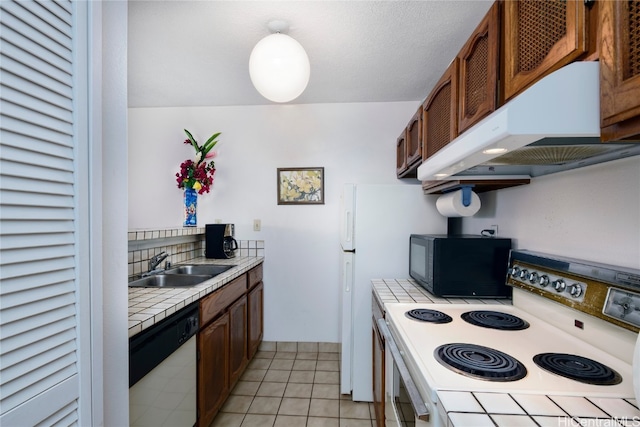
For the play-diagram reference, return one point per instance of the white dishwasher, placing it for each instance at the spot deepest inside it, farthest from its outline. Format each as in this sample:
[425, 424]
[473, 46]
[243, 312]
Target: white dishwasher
[162, 372]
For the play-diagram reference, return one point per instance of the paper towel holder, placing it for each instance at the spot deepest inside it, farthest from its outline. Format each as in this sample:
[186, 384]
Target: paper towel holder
[466, 193]
[454, 225]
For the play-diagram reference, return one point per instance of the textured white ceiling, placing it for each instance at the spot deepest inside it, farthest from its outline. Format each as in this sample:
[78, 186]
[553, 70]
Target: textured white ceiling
[196, 53]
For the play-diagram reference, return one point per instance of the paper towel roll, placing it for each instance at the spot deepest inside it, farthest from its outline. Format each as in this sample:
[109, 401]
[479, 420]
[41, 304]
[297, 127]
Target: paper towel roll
[451, 205]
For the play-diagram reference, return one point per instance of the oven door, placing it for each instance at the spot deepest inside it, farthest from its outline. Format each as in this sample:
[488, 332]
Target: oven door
[404, 406]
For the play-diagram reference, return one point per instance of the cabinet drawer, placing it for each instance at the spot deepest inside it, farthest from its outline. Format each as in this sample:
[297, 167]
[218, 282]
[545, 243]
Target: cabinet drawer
[255, 276]
[218, 301]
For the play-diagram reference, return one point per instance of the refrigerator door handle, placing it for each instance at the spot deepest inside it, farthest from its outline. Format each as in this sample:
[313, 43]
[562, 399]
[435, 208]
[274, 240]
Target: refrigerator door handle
[345, 279]
[348, 226]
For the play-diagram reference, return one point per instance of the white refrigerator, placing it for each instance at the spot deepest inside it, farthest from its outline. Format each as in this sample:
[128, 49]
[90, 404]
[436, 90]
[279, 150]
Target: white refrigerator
[376, 222]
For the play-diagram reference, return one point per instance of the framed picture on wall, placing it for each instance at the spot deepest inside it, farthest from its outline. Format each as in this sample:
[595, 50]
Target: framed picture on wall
[300, 186]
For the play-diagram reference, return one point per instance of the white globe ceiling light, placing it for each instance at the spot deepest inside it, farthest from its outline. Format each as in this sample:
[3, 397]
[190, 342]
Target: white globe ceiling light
[279, 66]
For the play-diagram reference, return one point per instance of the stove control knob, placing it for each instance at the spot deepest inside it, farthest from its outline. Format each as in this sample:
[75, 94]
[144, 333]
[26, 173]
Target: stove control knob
[523, 274]
[575, 290]
[533, 277]
[559, 285]
[543, 281]
[515, 271]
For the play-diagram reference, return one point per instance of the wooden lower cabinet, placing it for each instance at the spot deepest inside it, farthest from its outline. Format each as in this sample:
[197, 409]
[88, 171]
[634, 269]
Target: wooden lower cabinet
[238, 358]
[378, 377]
[213, 368]
[378, 363]
[256, 325]
[231, 329]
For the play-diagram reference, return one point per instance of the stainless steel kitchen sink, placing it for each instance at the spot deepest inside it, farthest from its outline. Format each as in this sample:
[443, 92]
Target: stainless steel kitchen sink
[211, 270]
[169, 281]
[182, 276]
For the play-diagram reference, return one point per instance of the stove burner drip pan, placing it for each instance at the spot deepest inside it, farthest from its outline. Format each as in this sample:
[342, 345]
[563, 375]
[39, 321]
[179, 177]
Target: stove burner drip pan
[495, 320]
[427, 315]
[480, 362]
[577, 368]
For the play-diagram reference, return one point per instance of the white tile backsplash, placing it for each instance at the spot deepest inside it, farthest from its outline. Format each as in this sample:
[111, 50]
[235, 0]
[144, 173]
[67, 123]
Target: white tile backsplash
[179, 251]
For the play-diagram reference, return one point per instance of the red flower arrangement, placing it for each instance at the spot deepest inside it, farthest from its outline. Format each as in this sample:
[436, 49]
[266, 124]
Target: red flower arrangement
[198, 174]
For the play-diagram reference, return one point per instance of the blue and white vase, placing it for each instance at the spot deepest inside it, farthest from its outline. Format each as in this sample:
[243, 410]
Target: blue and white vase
[190, 207]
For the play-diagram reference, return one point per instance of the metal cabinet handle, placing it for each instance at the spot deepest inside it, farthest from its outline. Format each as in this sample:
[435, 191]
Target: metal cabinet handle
[419, 407]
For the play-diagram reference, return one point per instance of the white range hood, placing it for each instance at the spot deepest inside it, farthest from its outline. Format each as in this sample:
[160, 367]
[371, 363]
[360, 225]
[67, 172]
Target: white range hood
[554, 125]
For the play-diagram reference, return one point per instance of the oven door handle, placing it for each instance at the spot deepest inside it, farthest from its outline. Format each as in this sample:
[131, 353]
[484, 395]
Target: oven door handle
[419, 407]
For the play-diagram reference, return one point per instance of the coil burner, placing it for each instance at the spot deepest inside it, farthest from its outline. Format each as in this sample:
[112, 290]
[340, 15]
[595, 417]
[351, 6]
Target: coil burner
[480, 362]
[495, 320]
[577, 368]
[431, 316]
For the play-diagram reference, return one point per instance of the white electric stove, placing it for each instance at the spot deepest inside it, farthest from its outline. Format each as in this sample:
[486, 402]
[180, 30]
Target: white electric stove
[567, 315]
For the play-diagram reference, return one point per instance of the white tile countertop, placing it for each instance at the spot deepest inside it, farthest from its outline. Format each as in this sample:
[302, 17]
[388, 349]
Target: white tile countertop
[148, 306]
[496, 409]
[407, 291]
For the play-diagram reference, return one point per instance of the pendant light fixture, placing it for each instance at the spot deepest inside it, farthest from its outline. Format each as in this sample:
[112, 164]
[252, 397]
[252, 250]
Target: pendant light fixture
[278, 65]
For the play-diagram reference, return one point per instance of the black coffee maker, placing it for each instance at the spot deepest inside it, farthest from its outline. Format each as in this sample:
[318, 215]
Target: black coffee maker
[219, 241]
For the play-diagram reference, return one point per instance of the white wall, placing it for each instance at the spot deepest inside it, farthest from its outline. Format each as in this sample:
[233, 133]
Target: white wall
[353, 142]
[591, 213]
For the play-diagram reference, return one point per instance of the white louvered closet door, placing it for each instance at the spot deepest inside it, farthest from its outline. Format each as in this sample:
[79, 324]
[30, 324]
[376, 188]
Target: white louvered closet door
[39, 222]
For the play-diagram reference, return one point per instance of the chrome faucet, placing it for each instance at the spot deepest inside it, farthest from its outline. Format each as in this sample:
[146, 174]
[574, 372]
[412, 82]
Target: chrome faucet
[154, 262]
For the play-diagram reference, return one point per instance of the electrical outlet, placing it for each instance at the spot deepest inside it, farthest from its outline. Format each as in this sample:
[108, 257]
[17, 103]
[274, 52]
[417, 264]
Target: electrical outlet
[495, 230]
[257, 225]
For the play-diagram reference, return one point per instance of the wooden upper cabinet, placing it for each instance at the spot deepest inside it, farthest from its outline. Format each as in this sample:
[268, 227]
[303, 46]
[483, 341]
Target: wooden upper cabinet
[414, 139]
[541, 37]
[401, 154]
[440, 113]
[409, 147]
[620, 70]
[479, 67]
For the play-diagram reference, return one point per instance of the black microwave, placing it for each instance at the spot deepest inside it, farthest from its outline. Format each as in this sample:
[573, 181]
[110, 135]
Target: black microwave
[461, 265]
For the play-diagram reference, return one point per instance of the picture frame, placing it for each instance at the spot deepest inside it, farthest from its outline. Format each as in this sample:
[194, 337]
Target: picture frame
[301, 186]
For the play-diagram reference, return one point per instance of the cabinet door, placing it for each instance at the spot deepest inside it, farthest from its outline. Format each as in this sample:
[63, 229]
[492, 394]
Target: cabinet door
[439, 117]
[213, 368]
[401, 154]
[478, 61]
[237, 340]
[256, 323]
[620, 69]
[540, 37]
[378, 377]
[414, 139]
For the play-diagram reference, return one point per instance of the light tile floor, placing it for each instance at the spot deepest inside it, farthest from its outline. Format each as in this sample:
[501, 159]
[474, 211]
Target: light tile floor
[292, 389]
